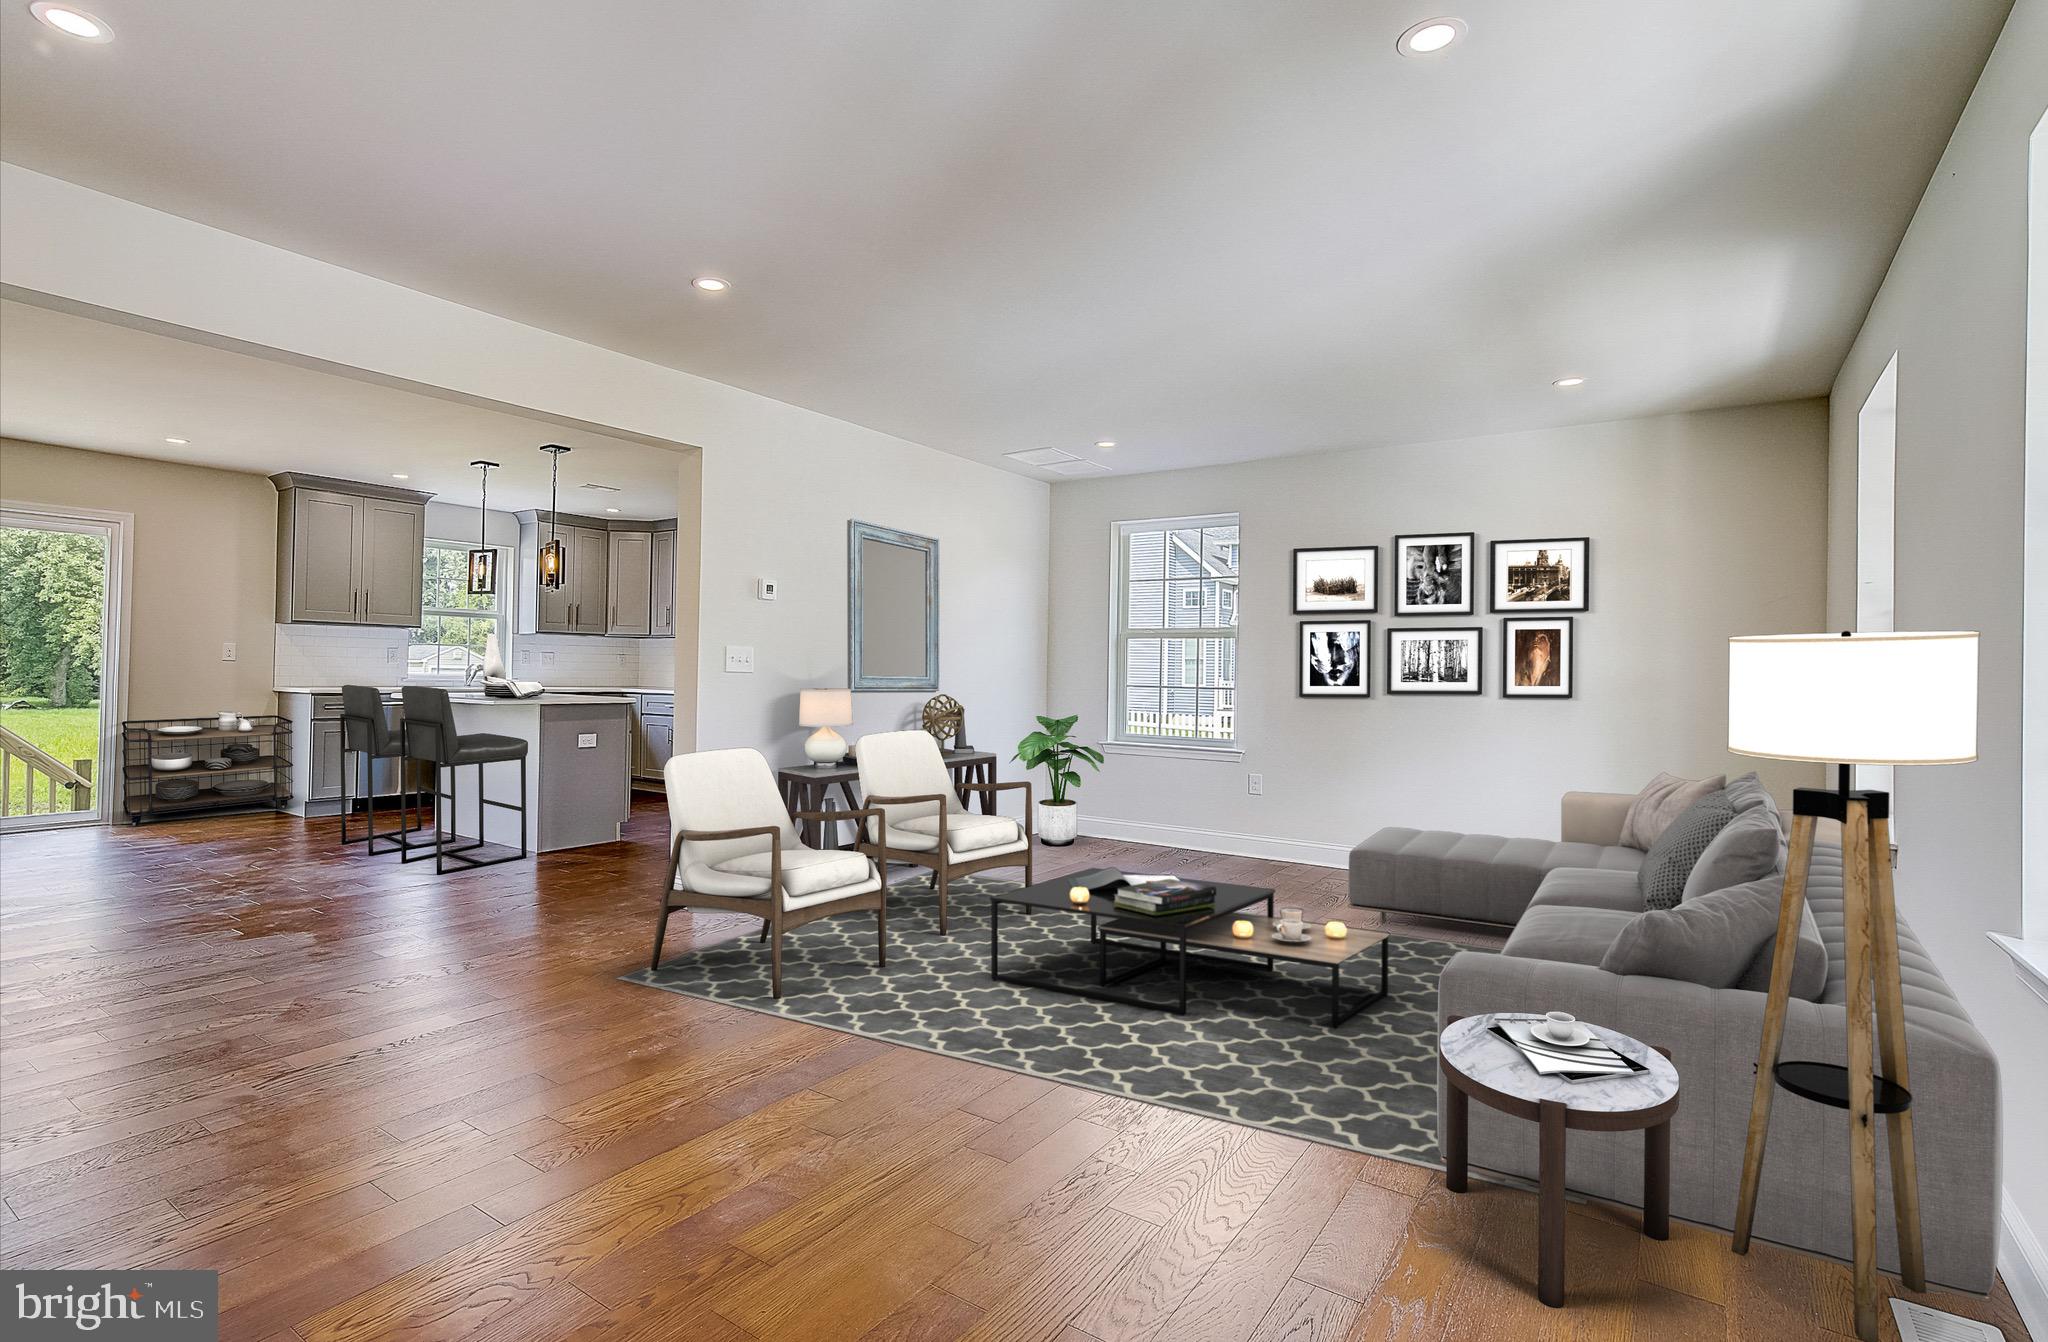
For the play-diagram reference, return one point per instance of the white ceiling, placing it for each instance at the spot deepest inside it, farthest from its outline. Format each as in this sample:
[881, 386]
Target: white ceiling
[84, 383]
[1210, 231]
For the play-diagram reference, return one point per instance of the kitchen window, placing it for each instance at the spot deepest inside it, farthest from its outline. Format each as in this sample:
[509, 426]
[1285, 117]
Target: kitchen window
[454, 625]
[1174, 657]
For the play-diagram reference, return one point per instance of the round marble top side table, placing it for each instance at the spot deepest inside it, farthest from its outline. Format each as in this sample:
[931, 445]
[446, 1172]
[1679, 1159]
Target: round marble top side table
[1481, 1065]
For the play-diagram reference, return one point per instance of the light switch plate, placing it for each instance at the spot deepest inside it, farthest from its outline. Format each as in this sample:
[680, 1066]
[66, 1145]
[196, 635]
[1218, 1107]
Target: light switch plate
[1255, 784]
[739, 657]
[586, 740]
[547, 658]
[227, 652]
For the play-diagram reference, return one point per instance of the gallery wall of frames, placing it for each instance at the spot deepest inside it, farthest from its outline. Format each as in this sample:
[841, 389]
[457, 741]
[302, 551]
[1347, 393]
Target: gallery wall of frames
[1535, 585]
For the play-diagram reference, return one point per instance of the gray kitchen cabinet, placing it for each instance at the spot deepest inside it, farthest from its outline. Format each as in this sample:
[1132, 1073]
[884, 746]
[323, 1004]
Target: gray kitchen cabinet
[629, 583]
[590, 558]
[325, 781]
[658, 735]
[348, 553]
[661, 587]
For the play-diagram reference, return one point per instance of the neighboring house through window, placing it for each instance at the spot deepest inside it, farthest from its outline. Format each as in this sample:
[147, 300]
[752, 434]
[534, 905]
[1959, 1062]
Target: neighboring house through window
[1175, 654]
[453, 624]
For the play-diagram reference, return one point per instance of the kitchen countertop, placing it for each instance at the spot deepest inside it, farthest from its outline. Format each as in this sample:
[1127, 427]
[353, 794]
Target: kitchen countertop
[553, 690]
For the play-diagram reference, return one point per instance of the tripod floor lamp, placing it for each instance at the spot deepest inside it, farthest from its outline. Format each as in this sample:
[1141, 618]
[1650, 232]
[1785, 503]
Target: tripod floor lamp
[1847, 699]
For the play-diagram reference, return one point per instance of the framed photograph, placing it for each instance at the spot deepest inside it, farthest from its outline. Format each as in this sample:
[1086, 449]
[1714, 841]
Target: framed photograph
[1536, 658]
[1433, 661]
[1433, 574]
[1540, 575]
[1334, 659]
[1333, 581]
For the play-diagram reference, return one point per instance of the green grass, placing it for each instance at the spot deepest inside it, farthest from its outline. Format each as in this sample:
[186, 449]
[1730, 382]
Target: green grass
[68, 733]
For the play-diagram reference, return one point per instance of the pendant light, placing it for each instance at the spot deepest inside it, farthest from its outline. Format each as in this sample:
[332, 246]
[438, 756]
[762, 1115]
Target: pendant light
[483, 560]
[554, 568]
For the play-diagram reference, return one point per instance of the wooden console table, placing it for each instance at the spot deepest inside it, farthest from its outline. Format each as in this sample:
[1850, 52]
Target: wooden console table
[810, 787]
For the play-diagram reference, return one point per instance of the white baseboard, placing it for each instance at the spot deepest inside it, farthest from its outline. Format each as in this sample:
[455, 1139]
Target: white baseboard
[2024, 1265]
[1218, 841]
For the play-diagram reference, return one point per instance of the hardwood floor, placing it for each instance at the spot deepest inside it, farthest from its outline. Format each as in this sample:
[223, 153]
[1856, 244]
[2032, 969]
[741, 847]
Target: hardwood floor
[385, 1104]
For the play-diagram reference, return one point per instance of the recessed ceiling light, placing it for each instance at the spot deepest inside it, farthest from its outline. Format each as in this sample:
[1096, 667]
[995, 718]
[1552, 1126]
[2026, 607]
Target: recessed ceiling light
[1569, 382]
[1107, 443]
[611, 510]
[711, 284]
[398, 476]
[177, 442]
[1430, 36]
[73, 22]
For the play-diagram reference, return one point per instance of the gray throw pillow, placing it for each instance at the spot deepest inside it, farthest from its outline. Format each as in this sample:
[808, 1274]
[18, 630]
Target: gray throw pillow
[1809, 960]
[1670, 860]
[1709, 940]
[1745, 850]
[1747, 791]
[1662, 800]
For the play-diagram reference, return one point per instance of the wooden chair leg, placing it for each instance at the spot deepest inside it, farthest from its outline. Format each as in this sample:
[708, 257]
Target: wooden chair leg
[1862, 1129]
[1891, 1045]
[775, 958]
[943, 879]
[1790, 905]
[660, 931]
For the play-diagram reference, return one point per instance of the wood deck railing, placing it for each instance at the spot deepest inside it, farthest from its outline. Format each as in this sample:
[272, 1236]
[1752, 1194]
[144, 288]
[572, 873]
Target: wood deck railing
[68, 784]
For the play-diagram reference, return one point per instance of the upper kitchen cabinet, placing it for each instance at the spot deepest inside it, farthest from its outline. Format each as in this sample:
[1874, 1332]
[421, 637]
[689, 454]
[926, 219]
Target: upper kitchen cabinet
[630, 575]
[578, 605]
[661, 593]
[347, 552]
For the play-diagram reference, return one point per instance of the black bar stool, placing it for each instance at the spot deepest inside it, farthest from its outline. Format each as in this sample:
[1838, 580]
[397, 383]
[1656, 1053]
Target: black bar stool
[428, 733]
[366, 737]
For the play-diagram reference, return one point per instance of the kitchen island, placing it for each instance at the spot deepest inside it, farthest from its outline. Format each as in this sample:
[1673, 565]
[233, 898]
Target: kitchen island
[579, 754]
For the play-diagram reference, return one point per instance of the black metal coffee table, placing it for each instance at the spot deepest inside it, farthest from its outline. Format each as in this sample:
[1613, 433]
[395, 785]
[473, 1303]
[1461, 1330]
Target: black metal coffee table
[1168, 932]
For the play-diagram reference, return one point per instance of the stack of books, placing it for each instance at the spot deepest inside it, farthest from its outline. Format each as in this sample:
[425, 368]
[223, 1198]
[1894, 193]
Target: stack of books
[1161, 896]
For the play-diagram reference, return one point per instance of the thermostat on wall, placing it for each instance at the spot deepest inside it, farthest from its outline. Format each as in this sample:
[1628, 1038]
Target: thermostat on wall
[766, 588]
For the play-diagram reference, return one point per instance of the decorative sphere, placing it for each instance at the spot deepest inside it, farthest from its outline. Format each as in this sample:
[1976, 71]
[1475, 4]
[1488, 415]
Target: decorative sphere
[1241, 929]
[1078, 894]
[1335, 930]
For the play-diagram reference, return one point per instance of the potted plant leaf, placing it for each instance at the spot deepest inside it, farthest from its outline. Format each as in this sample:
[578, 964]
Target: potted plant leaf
[1059, 819]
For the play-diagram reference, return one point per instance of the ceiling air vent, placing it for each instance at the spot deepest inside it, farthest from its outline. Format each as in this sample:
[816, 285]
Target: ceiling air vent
[1053, 460]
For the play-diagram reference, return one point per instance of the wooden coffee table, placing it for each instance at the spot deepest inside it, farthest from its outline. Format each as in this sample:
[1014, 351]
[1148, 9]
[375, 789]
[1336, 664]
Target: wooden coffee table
[1214, 936]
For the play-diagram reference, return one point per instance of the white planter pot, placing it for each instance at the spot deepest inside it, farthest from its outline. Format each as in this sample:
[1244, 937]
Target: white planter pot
[1058, 823]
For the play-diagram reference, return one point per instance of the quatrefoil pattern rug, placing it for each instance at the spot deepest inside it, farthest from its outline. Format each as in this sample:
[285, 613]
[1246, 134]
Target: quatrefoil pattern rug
[1254, 1047]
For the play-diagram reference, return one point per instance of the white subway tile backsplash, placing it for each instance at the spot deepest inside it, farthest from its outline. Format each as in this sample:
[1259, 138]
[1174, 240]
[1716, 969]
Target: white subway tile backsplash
[334, 654]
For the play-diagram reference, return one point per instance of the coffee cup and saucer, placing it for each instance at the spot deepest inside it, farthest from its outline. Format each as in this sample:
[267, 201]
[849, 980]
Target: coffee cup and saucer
[1290, 927]
[1562, 1029]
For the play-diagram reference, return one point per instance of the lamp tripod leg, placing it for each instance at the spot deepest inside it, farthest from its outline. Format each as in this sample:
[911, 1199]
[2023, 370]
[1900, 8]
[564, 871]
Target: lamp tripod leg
[1790, 905]
[1891, 1048]
[1862, 1096]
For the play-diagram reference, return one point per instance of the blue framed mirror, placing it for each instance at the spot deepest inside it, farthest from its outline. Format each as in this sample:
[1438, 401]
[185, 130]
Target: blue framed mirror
[892, 587]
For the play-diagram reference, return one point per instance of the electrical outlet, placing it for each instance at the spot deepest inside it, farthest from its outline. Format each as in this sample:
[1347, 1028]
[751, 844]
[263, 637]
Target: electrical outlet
[739, 658]
[547, 658]
[586, 740]
[227, 652]
[1255, 784]
[390, 652]
[526, 656]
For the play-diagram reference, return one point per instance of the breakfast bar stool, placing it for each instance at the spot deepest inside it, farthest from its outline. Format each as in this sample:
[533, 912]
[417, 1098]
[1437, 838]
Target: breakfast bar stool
[428, 733]
[366, 737]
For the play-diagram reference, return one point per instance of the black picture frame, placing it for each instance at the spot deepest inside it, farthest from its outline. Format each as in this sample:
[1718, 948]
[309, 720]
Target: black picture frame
[1371, 603]
[1362, 689]
[1474, 683]
[1582, 586]
[1466, 543]
[1567, 663]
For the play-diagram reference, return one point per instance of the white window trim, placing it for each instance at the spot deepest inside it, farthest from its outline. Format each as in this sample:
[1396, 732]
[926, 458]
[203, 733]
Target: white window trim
[1114, 741]
[505, 598]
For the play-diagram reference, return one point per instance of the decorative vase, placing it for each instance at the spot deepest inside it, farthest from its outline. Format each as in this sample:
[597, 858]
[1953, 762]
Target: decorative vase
[1058, 823]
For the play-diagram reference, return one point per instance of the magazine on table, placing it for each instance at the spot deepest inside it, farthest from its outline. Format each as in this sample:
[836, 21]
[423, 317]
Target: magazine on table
[1154, 890]
[1584, 1063]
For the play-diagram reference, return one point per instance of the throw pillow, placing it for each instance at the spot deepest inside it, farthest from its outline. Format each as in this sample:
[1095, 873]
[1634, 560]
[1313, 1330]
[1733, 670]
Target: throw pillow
[1746, 849]
[1709, 940]
[1748, 791]
[1670, 860]
[1662, 800]
[1809, 961]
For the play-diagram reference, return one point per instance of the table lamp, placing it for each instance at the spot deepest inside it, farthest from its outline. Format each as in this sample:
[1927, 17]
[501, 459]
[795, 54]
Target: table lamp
[1846, 699]
[825, 709]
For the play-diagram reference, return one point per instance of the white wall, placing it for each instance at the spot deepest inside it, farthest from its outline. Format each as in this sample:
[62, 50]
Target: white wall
[779, 482]
[1702, 526]
[1953, 307]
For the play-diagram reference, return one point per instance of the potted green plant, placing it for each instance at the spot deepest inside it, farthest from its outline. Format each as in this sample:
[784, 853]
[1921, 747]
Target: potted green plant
[1059, 819]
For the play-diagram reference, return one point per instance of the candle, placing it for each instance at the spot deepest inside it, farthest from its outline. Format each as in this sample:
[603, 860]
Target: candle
[1335, 930]
[1241, 929]
[1077, 895]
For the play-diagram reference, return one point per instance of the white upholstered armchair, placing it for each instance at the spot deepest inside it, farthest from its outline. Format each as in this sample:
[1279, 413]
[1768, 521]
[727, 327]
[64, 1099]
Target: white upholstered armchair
[734, 847]
[922, 821]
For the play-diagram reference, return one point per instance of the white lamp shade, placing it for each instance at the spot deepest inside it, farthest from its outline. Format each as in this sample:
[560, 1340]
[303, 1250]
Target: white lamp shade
[1854, 699]
[824, 708]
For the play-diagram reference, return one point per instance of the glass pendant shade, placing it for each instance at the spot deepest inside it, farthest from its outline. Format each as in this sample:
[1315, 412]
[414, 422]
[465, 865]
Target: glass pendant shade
[552, 570]
[483, 572]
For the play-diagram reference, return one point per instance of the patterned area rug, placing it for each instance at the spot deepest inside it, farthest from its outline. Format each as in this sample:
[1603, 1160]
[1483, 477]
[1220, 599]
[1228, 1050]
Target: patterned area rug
[1254, 1047]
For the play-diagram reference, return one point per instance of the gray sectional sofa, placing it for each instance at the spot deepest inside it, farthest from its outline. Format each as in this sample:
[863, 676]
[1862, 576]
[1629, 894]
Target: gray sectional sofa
[1567, 916]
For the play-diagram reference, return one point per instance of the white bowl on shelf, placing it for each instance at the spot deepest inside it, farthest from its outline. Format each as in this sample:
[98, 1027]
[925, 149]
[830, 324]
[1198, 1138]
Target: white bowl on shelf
[170, 763]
